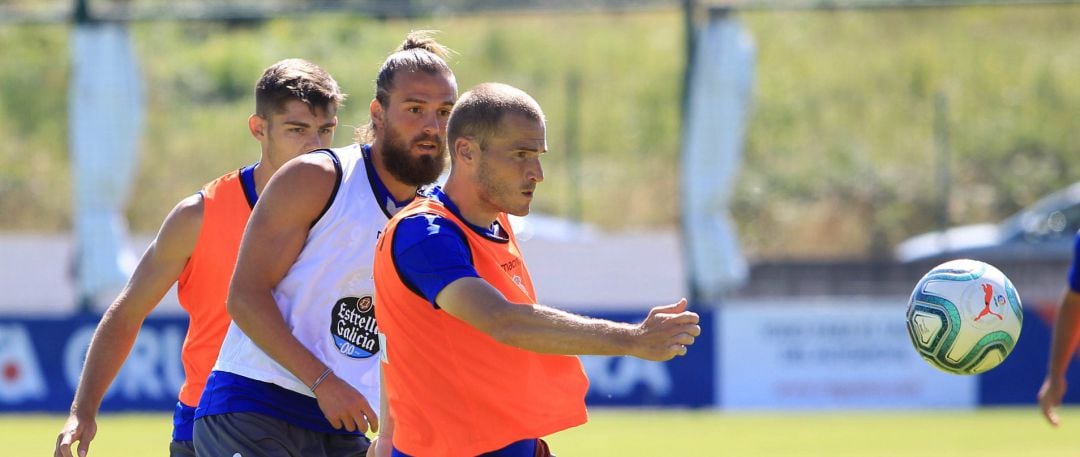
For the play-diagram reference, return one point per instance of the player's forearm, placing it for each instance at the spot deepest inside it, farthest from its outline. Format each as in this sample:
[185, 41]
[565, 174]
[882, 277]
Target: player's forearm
[1065, 335]
[548, 330]
[110, 346]
[259, 317]
[535, 328]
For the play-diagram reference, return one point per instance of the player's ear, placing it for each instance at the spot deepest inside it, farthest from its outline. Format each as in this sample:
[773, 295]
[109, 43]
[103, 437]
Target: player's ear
[465, 148]
[257, 126]
[376, 114]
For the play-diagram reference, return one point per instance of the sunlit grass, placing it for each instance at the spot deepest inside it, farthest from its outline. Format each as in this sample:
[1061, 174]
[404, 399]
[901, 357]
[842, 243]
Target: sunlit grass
[1005, 432]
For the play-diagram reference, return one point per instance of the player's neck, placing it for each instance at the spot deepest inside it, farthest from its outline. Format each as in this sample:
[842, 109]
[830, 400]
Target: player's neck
[262, 173]
[468, 202]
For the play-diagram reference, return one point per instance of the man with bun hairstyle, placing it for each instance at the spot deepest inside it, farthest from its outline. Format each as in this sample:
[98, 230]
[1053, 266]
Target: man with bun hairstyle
[298, 372]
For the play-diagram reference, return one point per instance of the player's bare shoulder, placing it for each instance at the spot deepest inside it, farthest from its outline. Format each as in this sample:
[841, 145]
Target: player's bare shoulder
[188, 213]
[180, 231]
[318, 165]
[303, 185]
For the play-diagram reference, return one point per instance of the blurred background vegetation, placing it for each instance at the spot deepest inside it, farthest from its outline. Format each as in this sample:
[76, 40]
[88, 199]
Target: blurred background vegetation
[852, 112]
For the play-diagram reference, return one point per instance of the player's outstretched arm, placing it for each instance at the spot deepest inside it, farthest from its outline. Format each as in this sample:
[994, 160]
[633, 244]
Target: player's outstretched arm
[156, 272]
[1062, 347]
[664, 334]
[292, 200]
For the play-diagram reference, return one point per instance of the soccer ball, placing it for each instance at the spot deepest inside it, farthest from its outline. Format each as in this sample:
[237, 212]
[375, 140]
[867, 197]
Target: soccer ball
[964, 317]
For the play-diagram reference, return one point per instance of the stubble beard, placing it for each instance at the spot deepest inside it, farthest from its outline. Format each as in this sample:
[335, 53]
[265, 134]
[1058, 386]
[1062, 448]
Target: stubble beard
[498, 196]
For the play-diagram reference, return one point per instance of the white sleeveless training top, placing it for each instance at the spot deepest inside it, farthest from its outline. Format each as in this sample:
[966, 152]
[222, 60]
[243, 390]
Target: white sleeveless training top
[326, 297]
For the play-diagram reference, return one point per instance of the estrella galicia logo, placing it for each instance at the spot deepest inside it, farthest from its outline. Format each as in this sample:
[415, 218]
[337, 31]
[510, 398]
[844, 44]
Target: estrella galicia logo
[353, 326]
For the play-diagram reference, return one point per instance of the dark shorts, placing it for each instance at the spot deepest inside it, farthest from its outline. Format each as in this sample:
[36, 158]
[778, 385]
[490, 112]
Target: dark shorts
[224, 435]
[182, 449]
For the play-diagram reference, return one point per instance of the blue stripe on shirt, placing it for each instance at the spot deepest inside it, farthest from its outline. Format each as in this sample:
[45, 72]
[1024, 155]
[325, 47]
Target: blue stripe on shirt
[247, 182]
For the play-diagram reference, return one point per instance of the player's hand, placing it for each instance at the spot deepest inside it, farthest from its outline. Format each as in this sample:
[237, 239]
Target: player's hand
[344, 407]
[75, 429]
[667, 332]
[1050, 395]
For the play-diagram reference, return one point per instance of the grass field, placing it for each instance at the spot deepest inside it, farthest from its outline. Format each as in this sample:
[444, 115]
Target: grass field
[1002, 432]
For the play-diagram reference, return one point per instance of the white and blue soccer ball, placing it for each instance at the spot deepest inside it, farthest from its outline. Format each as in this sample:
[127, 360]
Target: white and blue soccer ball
[964, 317]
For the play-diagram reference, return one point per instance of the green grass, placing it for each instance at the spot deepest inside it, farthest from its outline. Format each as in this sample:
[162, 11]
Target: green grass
[1005, 432]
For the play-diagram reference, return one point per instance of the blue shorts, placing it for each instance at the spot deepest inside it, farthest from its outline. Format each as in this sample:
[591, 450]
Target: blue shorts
[183, 422]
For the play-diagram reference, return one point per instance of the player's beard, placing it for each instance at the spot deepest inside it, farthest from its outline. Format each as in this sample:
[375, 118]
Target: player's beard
[414, 171]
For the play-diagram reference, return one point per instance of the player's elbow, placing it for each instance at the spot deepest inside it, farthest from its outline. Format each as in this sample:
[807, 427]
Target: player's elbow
[502, 335]
[475, 302]
[233, 306]
[505, 326]
[238, 304]
[505, 336]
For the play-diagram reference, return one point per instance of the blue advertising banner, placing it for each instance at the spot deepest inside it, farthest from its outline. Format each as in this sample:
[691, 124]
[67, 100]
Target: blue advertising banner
[683, 381]
[1018, 378]
[41, 360]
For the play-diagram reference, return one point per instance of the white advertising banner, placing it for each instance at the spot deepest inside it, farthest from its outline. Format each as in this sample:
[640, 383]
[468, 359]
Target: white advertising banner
[857, 355]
